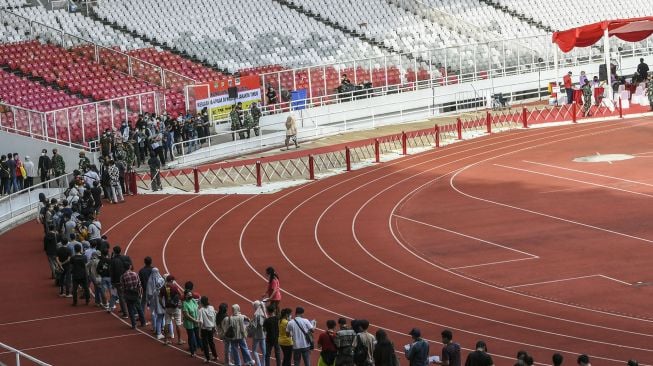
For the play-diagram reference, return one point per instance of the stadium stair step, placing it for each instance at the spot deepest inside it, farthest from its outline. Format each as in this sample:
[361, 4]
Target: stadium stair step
[515, 14]
[336, 25]
[153, 41]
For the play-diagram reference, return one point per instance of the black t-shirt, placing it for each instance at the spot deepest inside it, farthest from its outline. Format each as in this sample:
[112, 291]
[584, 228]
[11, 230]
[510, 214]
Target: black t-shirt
[63, 253]
[271, 327]
[78, 266]
[478, 358]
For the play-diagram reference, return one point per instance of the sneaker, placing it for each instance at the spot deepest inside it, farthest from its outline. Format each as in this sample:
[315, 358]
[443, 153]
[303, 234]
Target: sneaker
[160, 336]
[62, 295]
[69, 295]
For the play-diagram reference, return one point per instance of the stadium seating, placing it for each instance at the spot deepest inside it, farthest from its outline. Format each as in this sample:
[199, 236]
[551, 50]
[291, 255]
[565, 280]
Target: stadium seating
[78, 25]
[215, 30]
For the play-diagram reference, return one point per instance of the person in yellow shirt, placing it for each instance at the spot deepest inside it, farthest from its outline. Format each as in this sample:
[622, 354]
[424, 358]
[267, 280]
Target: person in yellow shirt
[285, 340]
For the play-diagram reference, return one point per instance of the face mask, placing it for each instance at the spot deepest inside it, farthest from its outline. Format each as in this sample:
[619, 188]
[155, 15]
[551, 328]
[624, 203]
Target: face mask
[43, 154]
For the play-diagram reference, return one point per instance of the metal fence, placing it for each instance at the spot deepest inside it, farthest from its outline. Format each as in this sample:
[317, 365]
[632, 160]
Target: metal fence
[22, 358]
[27, 200]
[78, 125]
[437, 67]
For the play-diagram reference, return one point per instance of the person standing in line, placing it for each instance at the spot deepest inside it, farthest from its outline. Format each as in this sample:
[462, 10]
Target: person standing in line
[291, 131]
[237, 322]
[327, 344]
[170, 296]
[191, 322]
[118, 266]
[58, 165]
[258, 334]
[221, 330]
[301, 330]
[4, 175]
[450, 350]
[273, 292]
[95, 278]
[344, 340]
[131, 289]
[367, 340]
[271, 327]
[114, 176]
[144, 276]
[13, 180]
[79, 274]
[50, 247]
[21, 174]
[285, 341]
[44, 166]
[557, 359]
[206, 317]
[384, 351]
[583, 360]
[31, 172]
[479, 357]
[63, 264]
[84, 163]
[154, 284]
[417, 352]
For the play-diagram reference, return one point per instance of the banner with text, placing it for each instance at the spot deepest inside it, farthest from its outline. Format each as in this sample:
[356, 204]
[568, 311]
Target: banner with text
[218, 107]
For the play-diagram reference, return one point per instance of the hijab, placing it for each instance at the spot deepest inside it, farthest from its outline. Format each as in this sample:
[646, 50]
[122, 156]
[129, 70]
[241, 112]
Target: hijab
[154, 283]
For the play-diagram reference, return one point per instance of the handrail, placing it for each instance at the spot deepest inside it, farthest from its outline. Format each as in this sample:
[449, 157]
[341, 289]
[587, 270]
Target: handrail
[20, 354]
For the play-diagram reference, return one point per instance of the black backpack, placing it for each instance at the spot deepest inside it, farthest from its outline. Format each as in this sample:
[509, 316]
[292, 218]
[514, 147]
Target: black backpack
[360, 352]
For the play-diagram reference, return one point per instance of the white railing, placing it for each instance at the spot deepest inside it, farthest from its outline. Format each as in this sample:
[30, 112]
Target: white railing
[438, 67]
[314, 125]
[20, 355]
[27, 199]
[78, 125]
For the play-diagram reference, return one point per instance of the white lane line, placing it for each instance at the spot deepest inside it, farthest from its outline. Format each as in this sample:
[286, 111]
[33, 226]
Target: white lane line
[493, 263]
[571, 279]
[552, 281]
[136, 212]
[588, 173]
[574, 180]
[531, 256]
[50, 318]
[73, 342]
[616, 280]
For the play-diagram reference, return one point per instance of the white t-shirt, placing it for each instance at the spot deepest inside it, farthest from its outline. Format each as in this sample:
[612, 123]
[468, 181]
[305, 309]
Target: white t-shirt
[298, 339]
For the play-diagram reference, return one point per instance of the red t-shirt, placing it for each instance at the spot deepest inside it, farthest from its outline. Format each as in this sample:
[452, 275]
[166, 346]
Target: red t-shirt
[271, 288]
[326, 341]
[567, 81]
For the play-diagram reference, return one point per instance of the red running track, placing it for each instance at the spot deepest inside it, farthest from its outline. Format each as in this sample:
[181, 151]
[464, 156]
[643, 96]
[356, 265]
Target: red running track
[502, 238]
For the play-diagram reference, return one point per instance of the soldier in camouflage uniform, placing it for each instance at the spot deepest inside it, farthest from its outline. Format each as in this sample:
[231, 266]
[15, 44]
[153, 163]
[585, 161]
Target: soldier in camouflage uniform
[255, 111]
[235, 122]
[58, 165]
[587, 98]
[249, 122]
[84, 162]
[649, 91]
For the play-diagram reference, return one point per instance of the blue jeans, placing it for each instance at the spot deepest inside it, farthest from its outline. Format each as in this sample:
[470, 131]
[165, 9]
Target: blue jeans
[133, 308]
[193, 339]
[299, 353]
[157, 320]
[258, 343]
[240, 343]
[99, 293]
